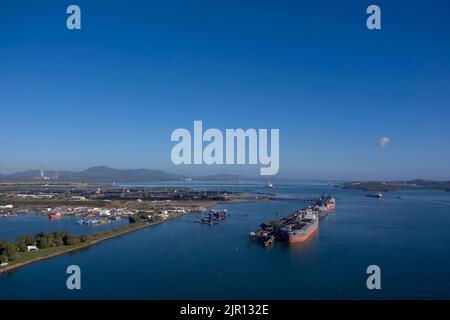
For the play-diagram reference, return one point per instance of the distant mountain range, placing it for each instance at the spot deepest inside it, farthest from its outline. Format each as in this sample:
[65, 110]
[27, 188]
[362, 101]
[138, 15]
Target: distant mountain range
[107, 174]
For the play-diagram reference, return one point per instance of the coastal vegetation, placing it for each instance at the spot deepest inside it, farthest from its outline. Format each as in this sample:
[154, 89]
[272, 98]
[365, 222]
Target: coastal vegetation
[17, 254]
[11, 251]
[141, 205]
[142, 217]
[392, 186]
[48, 245]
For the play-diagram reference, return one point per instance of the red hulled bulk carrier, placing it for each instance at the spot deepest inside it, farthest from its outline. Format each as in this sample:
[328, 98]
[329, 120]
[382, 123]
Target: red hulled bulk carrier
[297, 227]
[302, 229]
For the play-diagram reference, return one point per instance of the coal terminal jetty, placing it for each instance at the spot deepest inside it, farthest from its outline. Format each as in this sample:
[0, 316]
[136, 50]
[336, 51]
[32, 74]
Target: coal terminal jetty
[298, 199]
[213, 217]
[297, 227]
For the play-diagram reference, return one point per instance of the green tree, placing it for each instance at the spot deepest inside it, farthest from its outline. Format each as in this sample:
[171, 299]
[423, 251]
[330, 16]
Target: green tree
[27, 240]
[43, 243]
[57, 242]
[21, 246]
[70, 240]
[134, 218]
[12, 256]
[3, 246]
[85, 238]
[3, 258]
[59, 234]
[10, 249]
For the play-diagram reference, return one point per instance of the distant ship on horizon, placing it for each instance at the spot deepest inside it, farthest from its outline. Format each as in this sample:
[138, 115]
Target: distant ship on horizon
[269, 185]
[377, 195]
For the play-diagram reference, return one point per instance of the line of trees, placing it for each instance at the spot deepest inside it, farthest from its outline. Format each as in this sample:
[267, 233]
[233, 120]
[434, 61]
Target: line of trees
[142, 217]
[10, 249]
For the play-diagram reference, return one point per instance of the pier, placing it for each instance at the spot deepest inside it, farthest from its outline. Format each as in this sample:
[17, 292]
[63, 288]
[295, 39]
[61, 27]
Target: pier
[213, 217]
[298, 199]
[267, 234]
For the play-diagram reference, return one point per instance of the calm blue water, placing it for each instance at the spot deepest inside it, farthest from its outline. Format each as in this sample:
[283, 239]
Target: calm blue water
[30, 224]
[409, 238]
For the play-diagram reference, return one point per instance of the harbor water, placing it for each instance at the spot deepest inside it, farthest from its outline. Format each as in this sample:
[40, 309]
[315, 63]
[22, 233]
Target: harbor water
[405, 233]
[30, 224]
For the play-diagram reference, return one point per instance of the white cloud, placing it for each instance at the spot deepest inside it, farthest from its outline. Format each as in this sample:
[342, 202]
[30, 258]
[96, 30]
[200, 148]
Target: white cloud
[384, 141]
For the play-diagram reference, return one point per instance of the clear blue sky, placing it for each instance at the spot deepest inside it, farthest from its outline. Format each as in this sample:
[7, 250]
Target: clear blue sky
[113, 92]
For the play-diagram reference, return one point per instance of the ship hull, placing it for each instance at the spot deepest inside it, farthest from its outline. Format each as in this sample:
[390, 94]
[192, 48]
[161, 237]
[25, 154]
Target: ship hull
[297, 233]
[297, 238]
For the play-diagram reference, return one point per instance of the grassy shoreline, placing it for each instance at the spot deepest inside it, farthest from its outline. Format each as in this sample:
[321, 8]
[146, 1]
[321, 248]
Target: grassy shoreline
[29, 257]
[26, 258]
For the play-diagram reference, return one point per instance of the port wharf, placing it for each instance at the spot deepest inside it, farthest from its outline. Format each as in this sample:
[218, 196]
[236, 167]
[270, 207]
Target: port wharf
[269, 233]
[43, 254]
[104, 201]
[298, 199]
[213, 217]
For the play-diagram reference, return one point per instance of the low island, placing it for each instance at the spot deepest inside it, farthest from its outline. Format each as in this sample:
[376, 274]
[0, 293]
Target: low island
[391, 186]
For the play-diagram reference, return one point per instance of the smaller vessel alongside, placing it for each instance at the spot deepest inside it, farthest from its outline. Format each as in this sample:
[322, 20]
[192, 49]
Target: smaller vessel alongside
[326, 204]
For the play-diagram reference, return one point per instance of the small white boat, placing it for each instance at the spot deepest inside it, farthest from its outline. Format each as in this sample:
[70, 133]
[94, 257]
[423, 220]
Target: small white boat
[374, 195]
[269, 185]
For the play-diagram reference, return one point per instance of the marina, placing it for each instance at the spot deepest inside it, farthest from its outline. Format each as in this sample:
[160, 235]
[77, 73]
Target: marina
[93, 222]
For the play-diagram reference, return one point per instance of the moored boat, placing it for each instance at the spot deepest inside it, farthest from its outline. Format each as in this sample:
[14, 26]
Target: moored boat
[331, 203]
[374, 195]
[57, 215]
[269, 185]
